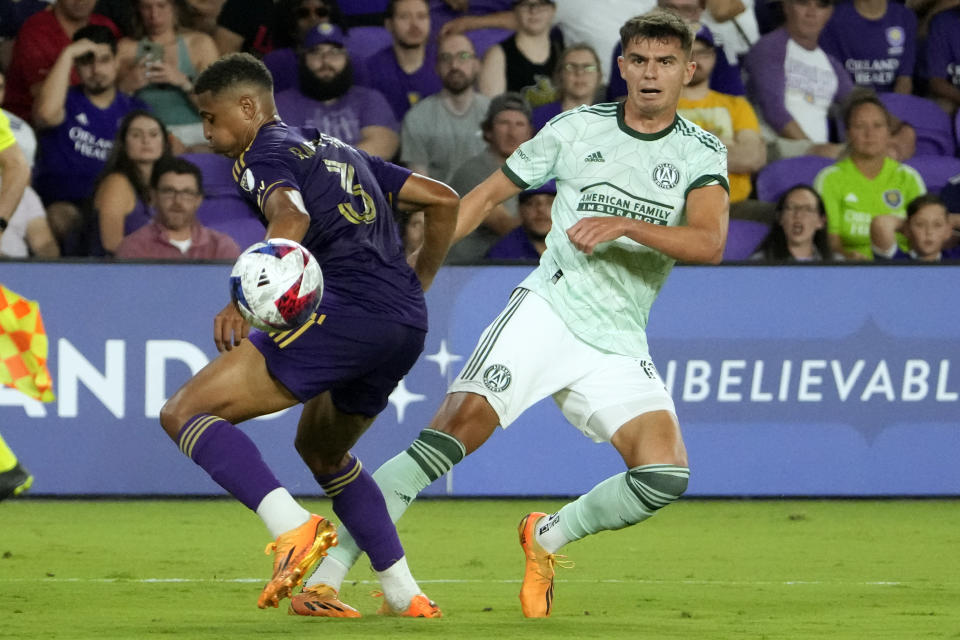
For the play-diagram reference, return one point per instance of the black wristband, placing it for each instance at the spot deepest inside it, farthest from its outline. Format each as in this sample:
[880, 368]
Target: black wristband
[3, 224]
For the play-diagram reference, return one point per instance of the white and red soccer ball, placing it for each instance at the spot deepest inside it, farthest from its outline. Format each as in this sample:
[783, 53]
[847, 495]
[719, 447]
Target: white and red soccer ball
[276, 284]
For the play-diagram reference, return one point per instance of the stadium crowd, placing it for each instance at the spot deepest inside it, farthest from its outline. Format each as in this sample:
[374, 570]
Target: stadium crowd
[99, 93]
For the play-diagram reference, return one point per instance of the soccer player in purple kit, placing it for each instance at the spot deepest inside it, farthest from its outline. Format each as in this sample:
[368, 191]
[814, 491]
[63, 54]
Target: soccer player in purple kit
[342, 364]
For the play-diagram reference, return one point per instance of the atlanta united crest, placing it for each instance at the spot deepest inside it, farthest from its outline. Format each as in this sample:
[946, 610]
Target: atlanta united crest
[666, 176]
[497, 377]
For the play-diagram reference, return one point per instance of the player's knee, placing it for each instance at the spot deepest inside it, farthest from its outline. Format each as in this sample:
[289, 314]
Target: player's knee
[657, 485]
[173, 416]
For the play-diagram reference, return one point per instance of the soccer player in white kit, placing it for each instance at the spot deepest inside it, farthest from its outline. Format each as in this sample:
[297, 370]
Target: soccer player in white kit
[638, 188]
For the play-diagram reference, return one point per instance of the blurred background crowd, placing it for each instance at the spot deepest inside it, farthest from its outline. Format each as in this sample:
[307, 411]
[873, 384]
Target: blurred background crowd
[840, 119]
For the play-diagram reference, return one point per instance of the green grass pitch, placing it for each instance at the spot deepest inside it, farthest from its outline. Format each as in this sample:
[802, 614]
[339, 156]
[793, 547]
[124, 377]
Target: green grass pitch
[700, 569]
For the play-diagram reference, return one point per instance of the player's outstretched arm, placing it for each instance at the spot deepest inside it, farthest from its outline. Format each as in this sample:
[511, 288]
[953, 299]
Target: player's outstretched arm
[701, 240]
[439, 204]
[477, 205]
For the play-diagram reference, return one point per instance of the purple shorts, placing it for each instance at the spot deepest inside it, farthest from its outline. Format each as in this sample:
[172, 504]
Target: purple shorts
[359, 360]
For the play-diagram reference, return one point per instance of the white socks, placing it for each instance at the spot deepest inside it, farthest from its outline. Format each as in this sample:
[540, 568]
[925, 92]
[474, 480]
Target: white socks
[280, 512]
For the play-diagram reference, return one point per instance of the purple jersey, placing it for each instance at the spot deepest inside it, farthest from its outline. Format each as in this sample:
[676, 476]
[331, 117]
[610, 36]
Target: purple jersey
[882, 49]
[342, 118]
[352, 233]
[72, 154]
[402, 90]
[943, 47]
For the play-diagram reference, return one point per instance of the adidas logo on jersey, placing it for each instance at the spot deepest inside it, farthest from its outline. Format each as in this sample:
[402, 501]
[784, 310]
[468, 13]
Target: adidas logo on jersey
[596, 156]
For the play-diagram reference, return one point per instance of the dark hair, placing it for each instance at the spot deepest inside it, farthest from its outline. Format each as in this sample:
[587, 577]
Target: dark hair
[506, 101]
[97, 33]
[859, 97]
[180, 166]
[285, 21]
[774, 246]
[119, 161]
[392, 7]
[231, 70]
[922, 201]
[657, 25]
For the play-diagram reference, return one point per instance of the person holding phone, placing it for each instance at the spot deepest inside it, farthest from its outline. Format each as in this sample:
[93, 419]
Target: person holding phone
[160, 63]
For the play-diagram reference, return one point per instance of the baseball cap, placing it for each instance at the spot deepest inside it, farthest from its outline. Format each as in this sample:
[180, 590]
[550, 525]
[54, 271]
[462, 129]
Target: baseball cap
[705, 36]
[508, 101]
[324, 33]
[548, 187]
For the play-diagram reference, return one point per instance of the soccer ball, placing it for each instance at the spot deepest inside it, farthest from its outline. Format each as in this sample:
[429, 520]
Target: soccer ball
[276, 285]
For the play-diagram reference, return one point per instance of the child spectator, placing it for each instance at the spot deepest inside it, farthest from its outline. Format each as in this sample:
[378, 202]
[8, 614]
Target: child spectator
[926, 228]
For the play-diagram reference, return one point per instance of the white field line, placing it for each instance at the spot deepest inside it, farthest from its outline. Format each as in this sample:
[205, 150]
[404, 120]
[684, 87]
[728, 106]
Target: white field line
[717, 583]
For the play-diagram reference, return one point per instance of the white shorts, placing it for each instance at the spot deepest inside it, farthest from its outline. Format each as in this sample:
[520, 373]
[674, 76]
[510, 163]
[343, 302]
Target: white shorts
[528, 353]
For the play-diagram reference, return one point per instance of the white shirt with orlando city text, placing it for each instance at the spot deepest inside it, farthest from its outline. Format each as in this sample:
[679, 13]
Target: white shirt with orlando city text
[604, 168]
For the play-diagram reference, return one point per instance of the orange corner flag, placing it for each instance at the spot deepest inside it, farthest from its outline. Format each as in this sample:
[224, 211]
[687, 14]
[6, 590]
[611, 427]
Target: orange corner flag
[23, 347]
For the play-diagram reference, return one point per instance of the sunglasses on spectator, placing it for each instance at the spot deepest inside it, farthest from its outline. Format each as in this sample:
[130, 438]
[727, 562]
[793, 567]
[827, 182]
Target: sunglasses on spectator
[306, 12]
[169, 193]
[821, 4]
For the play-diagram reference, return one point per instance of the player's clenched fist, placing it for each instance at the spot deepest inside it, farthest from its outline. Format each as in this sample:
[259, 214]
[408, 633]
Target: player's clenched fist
[587, 233]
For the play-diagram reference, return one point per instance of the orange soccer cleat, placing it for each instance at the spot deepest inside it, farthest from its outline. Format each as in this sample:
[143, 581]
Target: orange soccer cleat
[420, 607]
[321, 601]
[536, 592]
[295, 553]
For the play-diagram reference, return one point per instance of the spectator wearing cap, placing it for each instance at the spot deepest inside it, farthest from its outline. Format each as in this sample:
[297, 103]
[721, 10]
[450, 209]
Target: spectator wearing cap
[403, 71]
[442, 129]
[505, 127]
[794, 84]
[295, 19]
[882, 53]
[327, 98]
[525, 61]
[730, 118]
[529, 240]
[725, 76]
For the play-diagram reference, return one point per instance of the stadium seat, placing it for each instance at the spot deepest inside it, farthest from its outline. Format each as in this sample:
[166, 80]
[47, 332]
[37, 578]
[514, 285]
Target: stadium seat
[935, 134]
[935, 170]
[743, 236]
[364, 41]
[483, 39]
[222, 208]
[778, 176]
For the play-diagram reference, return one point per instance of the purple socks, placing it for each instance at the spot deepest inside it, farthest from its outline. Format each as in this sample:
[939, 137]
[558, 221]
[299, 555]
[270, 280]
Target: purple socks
[229, 456]
[359, 504]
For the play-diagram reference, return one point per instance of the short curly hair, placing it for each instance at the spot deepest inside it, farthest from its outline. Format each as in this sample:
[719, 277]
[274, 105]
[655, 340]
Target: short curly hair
[232, 70]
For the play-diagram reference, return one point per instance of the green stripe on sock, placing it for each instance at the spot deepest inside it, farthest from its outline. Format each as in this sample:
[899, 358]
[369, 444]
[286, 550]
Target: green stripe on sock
[436, 452]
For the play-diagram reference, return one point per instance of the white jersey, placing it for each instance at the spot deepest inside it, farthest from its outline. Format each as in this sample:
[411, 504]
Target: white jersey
[604, 168]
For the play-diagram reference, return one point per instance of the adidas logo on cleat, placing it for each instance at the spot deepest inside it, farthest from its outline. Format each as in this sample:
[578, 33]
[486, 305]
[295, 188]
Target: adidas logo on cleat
[596, 156]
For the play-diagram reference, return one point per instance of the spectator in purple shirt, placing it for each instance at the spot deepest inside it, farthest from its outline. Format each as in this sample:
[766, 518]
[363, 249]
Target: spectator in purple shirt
[175, 233]
[295, 19]
[529, 240]
[328, 100]
[404, 72]
[943, 59]
[883, 53]
[76, 129]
